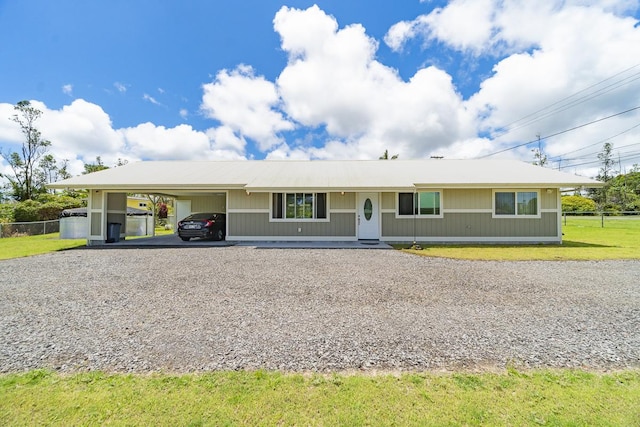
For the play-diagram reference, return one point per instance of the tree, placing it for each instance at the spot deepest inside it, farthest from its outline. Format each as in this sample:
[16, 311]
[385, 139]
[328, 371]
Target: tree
[24, 181]
[49, 171]
[385, 156]
[94, 167]
[605, 174]
[539, 157]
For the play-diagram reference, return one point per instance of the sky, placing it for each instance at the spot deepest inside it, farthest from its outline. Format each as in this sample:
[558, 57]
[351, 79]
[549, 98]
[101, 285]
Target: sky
[324, 80]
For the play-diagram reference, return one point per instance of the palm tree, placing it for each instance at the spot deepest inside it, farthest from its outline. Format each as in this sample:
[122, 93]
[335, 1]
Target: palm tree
[385, 156]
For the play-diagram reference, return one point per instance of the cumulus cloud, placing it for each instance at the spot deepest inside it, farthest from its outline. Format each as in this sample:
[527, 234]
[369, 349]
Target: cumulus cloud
[571, 77]
[247, 104]
[81, 131]
[150, 141]
[553, 69]
[333, 81]
[67, 89]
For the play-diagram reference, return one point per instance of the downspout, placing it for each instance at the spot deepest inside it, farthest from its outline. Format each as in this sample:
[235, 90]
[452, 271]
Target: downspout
[415, 245]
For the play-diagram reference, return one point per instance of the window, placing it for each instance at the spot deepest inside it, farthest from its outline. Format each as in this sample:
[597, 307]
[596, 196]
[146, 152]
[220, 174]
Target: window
[423, 203]
[515, 203]
[299, 206]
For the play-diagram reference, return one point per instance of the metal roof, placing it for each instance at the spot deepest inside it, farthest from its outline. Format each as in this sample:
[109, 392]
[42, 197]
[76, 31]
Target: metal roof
[345, 175]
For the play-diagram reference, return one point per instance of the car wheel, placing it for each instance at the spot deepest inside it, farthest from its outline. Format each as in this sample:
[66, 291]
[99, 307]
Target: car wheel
[219, 235]
[186, 239]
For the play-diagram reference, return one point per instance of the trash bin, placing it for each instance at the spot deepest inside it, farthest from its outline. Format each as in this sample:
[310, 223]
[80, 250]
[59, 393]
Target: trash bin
[113, 232]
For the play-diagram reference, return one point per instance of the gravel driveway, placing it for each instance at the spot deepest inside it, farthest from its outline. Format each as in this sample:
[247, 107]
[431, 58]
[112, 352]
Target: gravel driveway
[200, 309]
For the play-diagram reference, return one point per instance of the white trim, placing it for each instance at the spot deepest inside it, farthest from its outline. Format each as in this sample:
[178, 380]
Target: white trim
[420, 216]
[305, 220]
[463, 239]
[515, 191]
[248, 210]
[559, 214]
[343, 211]
[293, 238]
[549, 210]
[387, 211]
[484, 211]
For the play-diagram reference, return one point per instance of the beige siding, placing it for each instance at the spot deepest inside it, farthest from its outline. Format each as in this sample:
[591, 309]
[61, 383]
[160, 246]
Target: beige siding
[467, 198]
[258, 224]
[549, 200]
[117, 202]
[96, 223]
[238, 199]
[340, 201]
[208, 203]
[387, 200]
[96, 199]
[470, 225]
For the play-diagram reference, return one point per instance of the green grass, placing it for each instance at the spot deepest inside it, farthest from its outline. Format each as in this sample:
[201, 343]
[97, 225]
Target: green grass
[584, 239]
[565, 397]
[15, 247]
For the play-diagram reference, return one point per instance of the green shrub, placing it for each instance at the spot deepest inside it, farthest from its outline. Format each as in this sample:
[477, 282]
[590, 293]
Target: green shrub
[6, 213]
[47, 207]
[578, 205]
[27, 211]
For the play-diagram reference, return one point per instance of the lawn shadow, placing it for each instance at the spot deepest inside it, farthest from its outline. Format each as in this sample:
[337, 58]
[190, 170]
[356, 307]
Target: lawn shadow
[576, 244]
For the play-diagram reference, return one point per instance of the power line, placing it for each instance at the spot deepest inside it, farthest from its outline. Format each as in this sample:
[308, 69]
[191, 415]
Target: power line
[561, 132]
[602, 141]
[507, 128]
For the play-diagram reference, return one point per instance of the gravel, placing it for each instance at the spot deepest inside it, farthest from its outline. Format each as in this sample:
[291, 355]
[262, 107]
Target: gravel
[229, 308]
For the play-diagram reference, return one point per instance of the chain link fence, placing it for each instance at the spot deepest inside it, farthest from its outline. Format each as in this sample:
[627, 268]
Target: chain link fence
[601, 219]
[16, 229]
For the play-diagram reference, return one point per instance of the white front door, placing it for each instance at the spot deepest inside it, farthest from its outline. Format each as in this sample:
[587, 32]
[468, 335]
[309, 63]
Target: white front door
[368, 216]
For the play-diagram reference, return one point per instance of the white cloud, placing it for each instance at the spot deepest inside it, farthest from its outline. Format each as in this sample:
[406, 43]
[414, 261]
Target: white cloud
[157, 142]
[81, 131]
[120, 87]
[151, 99]
[570, 57]
[67, 89]
[551, 51]
[247, 104]
[184, 113]
[225, 144]
[333, 81]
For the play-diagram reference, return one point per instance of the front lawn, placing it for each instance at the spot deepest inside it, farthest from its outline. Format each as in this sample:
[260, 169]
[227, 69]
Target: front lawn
[584, 239]
[564, 397]
[16, 247]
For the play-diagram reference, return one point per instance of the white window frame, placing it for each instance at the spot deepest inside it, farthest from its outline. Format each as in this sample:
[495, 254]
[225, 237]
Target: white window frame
[418, 215]
[284, 207]
[538, 214]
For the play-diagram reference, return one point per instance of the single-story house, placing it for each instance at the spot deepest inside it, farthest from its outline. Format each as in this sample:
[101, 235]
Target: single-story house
[428, 201]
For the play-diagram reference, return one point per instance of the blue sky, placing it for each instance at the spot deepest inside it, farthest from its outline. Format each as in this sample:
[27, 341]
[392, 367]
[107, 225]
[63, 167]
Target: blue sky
[145, 80]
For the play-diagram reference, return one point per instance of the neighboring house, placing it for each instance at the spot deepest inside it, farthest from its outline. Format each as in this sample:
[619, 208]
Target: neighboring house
[138, 202]
[390, 200]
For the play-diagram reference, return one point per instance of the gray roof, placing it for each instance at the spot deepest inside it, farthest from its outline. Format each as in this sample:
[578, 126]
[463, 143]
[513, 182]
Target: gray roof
[347, 175]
